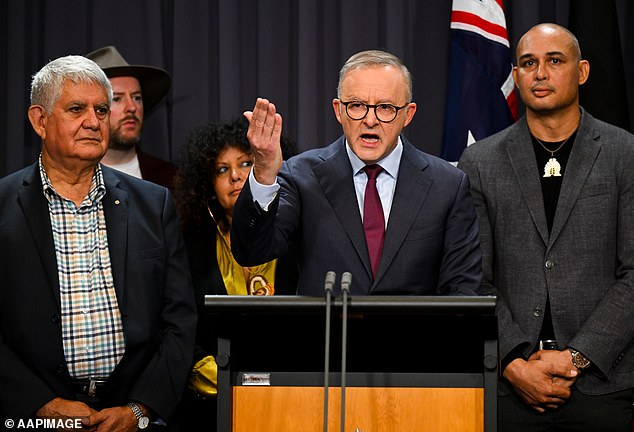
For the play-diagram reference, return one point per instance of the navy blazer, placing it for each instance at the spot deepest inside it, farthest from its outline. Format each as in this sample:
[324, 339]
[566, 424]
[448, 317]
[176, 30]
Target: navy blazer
[207, 280]
[431, 243]
[152, 283]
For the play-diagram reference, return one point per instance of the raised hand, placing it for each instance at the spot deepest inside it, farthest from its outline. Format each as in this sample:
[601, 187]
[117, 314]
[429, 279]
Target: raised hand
[265, 130]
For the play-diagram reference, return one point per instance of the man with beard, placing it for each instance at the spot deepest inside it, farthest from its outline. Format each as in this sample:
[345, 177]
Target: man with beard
[136, 90]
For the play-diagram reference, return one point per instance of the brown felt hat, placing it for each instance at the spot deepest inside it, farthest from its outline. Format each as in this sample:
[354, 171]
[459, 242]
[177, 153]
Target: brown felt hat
[155, 82]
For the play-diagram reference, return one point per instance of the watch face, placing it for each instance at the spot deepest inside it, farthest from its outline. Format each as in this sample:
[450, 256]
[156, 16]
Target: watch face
[579, 360]
[143, 422]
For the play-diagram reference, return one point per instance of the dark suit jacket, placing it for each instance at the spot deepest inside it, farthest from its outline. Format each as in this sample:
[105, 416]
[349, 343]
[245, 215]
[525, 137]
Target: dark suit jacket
[431, 242]
[585, 265]
[207, 280]
[156, 170]
[153, 287]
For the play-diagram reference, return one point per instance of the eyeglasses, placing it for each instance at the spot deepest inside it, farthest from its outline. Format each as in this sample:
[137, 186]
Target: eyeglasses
[385, 113]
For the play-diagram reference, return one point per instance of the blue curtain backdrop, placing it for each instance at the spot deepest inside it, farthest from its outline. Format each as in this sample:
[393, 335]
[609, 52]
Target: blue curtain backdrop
[222, 54]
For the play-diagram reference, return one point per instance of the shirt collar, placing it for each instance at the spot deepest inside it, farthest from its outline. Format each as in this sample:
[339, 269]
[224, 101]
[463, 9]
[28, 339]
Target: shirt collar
[97, 188]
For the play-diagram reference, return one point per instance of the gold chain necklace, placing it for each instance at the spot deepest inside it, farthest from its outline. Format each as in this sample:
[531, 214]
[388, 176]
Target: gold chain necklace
[552, 167]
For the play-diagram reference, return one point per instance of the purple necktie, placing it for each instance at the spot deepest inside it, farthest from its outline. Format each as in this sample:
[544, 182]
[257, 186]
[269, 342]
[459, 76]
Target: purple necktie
[373, 219]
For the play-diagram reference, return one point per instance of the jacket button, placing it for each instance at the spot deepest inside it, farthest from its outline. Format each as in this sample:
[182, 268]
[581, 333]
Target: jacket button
[55, 318]
[549, 264]
[537, 312]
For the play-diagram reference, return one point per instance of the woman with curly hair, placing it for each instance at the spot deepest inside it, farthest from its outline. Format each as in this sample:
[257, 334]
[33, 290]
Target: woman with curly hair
[215, 164]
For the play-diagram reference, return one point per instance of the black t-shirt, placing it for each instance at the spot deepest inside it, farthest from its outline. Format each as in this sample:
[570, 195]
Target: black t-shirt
[551, 186]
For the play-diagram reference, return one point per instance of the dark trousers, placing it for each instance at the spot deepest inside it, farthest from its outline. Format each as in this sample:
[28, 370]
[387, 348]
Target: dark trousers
[604, 413]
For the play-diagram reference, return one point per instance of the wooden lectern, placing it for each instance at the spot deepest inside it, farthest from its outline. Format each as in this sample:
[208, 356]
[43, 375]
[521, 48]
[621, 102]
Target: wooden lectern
[413, 363]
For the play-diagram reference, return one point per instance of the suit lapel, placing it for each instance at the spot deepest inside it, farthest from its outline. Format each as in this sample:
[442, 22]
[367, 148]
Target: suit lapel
[522, 158]
[35, 209]
[582, 157]
[116, 207]
[335, 177]
[405, 205]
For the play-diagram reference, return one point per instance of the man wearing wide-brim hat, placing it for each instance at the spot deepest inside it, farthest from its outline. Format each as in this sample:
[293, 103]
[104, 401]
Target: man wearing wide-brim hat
[137, 89]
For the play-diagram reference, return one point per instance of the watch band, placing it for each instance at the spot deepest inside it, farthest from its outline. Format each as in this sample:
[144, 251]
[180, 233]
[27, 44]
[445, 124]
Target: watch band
[142, 420]
[579, 360]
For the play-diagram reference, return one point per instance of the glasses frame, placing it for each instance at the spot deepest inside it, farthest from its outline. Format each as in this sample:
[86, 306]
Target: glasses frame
[367, 110]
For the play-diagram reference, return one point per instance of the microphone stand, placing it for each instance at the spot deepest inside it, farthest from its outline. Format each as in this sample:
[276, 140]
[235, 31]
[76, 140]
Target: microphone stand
[328, 285]
[346, 280]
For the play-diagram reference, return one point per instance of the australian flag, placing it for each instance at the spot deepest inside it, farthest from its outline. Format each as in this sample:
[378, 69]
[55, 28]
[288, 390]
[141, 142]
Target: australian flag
[481, 97]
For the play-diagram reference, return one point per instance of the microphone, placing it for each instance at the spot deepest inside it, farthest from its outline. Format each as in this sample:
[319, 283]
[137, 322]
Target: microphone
[329, 283]
[346, 280]
[328, 286]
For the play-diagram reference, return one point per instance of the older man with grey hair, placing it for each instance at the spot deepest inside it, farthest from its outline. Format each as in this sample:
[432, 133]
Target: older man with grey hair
[97, 316]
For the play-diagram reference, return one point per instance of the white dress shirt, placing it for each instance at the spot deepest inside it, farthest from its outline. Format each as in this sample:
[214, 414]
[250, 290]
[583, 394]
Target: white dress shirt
[385, 182]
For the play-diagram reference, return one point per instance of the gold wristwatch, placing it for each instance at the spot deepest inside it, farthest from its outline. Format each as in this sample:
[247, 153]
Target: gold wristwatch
[579, 360]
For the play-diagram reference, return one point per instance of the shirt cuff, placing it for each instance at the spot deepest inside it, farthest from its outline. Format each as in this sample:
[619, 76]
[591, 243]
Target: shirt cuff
[262, 194]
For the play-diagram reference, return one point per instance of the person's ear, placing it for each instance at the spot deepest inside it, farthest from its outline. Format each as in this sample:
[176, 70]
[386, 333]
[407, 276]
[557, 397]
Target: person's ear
[38, 118]
[584, 71]
[336, 106]
[409, 114]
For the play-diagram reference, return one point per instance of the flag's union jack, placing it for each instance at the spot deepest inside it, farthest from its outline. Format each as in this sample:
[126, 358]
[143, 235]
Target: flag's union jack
[481, 97]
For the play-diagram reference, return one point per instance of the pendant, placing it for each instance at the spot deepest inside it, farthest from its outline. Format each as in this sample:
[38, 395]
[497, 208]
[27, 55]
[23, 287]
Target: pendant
[552, 168]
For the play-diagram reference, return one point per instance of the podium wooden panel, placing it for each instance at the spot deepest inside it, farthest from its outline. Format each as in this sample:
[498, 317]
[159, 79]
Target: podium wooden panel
[257, 409]
[413, 363]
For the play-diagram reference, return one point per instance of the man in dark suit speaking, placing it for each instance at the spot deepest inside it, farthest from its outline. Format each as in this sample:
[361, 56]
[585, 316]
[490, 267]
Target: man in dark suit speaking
[399, 220]
[97, 316]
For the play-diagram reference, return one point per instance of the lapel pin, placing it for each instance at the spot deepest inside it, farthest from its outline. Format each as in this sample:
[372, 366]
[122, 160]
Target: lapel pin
[117, 202]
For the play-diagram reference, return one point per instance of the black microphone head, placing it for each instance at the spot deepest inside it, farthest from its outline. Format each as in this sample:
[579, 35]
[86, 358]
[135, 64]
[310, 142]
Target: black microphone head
[329, 283]
[346, 281]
